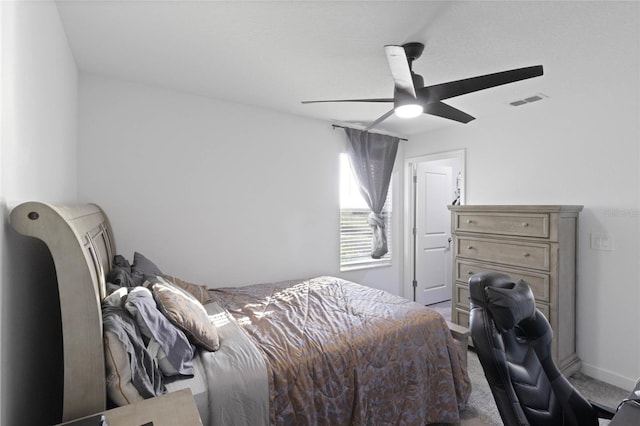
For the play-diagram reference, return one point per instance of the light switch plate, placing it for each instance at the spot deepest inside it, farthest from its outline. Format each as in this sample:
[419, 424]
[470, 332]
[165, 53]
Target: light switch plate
[601, 241]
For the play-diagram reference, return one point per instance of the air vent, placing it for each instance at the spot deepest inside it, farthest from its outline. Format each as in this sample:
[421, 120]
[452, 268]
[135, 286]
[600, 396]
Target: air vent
[530, 99]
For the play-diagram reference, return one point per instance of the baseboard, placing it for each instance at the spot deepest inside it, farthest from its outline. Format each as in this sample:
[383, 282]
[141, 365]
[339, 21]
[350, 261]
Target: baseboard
[608, 377]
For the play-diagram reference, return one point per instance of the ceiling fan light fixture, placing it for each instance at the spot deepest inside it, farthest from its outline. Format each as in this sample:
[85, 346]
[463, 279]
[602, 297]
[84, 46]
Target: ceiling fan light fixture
[409, 110]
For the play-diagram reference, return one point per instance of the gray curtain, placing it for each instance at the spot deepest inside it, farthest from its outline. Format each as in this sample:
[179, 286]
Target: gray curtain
[372, 156]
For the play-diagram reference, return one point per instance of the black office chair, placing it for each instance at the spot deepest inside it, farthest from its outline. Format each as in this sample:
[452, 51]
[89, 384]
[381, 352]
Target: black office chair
[513, 342]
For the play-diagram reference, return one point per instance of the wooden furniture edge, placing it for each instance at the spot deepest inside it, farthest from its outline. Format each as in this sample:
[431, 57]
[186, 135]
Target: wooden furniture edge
[461, 335]
[458, 331]
[167, 409]
[73, 232]
[553, 208]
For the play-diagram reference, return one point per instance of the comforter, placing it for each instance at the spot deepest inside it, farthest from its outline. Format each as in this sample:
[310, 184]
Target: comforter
[338, 353]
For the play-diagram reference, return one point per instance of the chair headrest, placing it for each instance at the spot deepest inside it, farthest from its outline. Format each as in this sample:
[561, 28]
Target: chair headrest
[478, 282]
[509, 306]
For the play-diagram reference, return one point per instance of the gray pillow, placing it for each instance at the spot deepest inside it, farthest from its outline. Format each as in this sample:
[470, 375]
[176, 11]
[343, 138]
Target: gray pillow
[142, 267]
[120, 388]
[199, 291]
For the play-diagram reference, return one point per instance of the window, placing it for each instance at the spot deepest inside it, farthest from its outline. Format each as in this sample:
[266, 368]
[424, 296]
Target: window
[355, 231]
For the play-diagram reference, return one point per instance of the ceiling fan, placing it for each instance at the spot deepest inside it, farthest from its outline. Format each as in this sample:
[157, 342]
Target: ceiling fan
[411, 98]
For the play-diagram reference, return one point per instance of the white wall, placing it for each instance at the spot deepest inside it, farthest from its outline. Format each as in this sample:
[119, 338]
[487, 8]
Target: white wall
[213, 192]
[580, 146]
[38, 158]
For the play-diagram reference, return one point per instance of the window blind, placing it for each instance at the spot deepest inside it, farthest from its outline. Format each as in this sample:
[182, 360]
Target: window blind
[355, 239]
[355, 232]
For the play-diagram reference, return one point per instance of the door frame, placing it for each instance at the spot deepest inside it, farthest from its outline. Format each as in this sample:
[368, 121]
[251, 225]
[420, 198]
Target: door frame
[408, 208]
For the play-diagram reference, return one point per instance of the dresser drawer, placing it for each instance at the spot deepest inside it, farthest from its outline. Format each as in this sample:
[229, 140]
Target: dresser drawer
[461, 296]
[461, 317]
[539, 282]
[544, 309]
[528, 255]
[516, 224]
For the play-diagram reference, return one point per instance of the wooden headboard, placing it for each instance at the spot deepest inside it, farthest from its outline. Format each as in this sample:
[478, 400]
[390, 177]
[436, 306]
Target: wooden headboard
[74, 233]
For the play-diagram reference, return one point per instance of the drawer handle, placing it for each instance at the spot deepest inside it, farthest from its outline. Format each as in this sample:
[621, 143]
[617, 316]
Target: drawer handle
[525, 254]
[469, 221]
[525, 224]
[469, 247]
[470, 272]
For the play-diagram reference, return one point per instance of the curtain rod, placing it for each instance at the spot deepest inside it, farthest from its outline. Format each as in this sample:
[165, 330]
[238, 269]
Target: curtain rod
[343, 127]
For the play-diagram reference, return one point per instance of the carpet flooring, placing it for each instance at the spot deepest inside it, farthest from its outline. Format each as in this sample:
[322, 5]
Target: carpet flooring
[481, 409]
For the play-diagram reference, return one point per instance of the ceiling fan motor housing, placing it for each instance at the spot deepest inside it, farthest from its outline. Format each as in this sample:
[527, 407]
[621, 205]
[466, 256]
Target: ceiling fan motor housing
[402, 97]
[413, 51]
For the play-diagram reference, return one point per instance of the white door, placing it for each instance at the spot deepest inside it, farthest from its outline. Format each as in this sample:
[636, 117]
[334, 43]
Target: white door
[433, 192]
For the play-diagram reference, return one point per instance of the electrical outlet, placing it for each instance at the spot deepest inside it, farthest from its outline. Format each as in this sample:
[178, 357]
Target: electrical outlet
[601, 241]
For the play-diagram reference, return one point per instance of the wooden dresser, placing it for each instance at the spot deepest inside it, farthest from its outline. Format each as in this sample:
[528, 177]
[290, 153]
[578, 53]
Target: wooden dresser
[533, 243]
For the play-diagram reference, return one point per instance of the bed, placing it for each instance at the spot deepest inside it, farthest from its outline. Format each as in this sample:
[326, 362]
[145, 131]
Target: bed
[320, 350]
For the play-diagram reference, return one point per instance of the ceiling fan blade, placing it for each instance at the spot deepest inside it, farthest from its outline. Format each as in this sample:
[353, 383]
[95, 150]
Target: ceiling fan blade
[400, 70]
[473, 84]
[351, 100]
[447, 111]
[379, 119]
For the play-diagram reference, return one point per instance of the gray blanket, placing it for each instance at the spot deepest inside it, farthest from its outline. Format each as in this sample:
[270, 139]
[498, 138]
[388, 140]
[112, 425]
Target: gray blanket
[154, 325]
[236, 375]
[146, 377]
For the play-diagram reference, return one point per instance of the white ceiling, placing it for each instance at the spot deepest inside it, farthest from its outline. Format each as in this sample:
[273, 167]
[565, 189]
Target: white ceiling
[274, 54]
